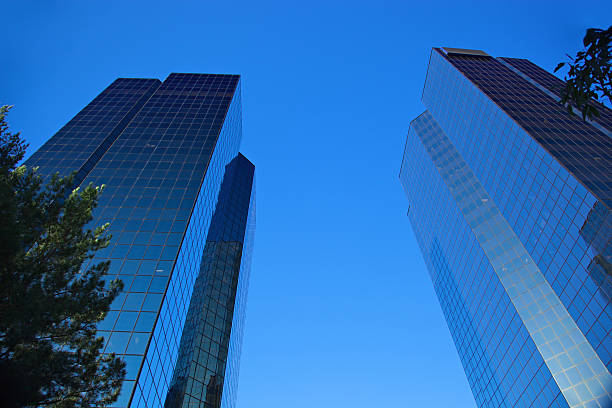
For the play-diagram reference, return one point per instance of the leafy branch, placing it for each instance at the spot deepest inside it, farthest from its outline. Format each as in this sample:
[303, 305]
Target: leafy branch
[588, 80]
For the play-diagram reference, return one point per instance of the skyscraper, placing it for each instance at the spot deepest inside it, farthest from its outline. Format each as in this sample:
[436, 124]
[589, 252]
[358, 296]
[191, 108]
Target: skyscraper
[510, 200]
[180, 202]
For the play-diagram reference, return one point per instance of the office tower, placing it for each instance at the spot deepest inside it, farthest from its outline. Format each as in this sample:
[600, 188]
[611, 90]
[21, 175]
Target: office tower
[510, 200]
[180, 202]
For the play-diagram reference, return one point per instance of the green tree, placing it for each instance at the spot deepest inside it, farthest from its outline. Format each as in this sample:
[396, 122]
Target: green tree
[49, 303]
[588, 80]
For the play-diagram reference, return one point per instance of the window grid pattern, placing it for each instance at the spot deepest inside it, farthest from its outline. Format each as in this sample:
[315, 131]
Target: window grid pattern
[578, 146]
[555, 85]
[162, 176]
[500, 359]
[580, 374]
[545, 205]
[216, 310]
[153, 385]
[82, 141]
[232, 366]
[552, 95]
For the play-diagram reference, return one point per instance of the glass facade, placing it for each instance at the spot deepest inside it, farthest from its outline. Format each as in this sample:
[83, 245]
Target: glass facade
[552, 84]
[161, 150]
[217, 310]
[518, 241]
[78, 145]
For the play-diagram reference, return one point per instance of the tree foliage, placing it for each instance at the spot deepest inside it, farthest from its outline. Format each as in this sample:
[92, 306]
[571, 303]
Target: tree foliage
[49, 303]
[589, 78]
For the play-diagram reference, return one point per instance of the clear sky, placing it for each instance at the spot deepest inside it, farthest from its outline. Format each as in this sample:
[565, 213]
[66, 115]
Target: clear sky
[341, 311]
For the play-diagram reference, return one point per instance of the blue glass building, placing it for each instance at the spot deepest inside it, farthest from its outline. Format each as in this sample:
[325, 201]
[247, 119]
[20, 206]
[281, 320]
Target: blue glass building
[510, 200]
[179, 199]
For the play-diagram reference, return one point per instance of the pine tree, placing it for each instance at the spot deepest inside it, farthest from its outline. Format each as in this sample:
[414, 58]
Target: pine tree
[49, 303]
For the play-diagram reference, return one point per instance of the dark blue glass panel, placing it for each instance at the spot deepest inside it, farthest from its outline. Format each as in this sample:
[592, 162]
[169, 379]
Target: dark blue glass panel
[82, 141]
[206, 372]
[554, 85]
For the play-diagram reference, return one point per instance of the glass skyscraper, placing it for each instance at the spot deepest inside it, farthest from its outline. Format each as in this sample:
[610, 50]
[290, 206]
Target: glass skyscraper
[180, 201]
[510, 200]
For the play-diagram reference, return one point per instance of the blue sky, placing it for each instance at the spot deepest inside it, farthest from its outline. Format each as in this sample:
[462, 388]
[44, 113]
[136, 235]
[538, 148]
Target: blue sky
[341, 308]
